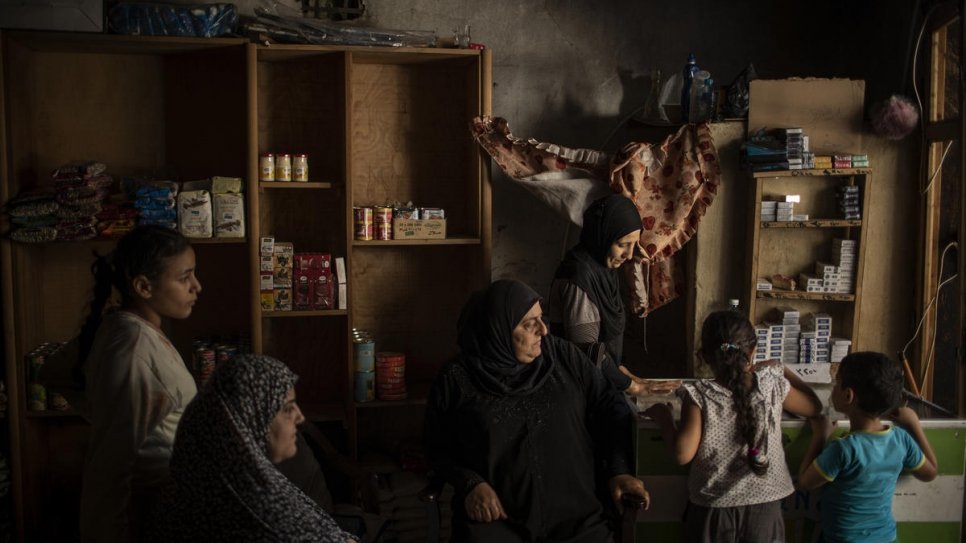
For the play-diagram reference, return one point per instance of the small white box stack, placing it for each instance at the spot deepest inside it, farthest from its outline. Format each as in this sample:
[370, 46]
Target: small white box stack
[784, 211]
[839, 349]
[844, 255]
[761, 353]
[768, 211]
[821, 325]
[791, 331]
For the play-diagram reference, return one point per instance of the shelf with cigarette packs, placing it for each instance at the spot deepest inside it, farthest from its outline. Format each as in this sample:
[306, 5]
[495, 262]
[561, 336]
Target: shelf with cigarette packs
[806, 251]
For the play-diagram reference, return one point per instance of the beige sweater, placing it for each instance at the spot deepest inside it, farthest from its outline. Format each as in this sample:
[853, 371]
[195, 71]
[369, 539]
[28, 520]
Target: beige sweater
[137, 387]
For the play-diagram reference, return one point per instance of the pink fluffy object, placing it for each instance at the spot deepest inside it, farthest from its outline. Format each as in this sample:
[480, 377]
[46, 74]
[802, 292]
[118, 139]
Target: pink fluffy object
[895, 118]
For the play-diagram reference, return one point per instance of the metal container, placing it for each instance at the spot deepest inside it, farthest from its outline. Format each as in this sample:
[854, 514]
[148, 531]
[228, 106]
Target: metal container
[383, 221]
[363, 223]
[365, 386]
[365, 354]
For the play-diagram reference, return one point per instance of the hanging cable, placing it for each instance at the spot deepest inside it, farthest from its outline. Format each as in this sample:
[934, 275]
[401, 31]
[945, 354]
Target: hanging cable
[925, 312]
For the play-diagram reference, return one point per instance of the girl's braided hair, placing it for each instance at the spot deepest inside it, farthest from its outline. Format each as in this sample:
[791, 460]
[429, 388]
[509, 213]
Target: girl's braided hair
[142, 251]
[726, 339]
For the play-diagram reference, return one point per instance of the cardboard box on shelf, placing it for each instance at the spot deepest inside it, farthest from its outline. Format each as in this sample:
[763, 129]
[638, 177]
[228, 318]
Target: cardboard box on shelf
[419, 229]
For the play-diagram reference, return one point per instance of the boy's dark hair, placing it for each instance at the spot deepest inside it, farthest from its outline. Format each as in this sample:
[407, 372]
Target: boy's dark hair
[875, 379]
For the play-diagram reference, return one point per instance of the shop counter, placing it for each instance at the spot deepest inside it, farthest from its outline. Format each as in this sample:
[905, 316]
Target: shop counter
[930, 512]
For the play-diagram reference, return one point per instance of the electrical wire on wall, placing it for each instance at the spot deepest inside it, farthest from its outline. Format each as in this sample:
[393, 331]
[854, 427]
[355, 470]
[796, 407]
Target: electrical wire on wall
[923, 163]
[918, 386]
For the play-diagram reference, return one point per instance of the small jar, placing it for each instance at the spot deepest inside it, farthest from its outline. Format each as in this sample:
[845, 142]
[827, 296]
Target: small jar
[283, 167]
[300, 167]
[266, 167]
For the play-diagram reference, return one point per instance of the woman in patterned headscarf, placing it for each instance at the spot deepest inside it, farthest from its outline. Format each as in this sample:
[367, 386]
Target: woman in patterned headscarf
[230, 438]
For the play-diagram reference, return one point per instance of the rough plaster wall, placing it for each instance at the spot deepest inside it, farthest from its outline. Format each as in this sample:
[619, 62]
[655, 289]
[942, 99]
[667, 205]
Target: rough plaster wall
[570, 71]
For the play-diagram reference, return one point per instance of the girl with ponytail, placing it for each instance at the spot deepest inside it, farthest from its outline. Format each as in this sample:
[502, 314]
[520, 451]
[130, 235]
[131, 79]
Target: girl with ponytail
[136, 383]
[730, 432]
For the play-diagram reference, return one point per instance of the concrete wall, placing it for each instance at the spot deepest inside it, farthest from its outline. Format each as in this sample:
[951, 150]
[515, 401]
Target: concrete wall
[572, 71]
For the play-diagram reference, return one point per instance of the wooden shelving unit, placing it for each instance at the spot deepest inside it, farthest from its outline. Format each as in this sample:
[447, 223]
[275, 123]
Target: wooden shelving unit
[378, 124]
[793, 247]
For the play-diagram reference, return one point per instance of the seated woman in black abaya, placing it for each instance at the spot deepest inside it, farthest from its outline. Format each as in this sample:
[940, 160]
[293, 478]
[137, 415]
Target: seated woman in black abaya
[519, 423]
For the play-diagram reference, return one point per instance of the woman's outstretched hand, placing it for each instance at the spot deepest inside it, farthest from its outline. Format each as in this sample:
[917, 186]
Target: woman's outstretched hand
[644, 387]
[483, 505]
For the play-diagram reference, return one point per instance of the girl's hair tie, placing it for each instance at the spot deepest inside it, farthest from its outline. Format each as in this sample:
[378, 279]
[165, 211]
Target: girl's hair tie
[725, 347]
[757, 460]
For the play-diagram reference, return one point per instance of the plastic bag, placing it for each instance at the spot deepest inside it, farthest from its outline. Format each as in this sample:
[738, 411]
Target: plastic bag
[202, 21]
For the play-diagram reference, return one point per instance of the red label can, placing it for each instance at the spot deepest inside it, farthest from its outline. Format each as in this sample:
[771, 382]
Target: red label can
[363, 222]
[383, 220]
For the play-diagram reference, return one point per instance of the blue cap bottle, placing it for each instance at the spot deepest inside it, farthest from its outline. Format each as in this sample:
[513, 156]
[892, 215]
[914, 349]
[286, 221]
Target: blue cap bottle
[689, 70]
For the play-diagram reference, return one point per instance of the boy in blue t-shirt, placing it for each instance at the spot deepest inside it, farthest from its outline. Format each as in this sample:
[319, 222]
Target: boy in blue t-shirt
[860, 470]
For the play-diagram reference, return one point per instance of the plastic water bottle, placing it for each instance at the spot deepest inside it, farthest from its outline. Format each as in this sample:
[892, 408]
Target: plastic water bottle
[696, 108]
[689, 70]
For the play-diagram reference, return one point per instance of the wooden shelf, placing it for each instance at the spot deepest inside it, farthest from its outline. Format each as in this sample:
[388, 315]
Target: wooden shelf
[411, 400]
[53, 414]
[397, 242]
[218, 241]
[81, 42]
[418, 392]
[293, 185]
[310, 313]
[814, 223]
[801, 295]
[831, 172]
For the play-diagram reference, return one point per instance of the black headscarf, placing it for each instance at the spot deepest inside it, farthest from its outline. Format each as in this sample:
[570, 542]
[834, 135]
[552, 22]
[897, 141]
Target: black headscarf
[485, 339]
[605, 222]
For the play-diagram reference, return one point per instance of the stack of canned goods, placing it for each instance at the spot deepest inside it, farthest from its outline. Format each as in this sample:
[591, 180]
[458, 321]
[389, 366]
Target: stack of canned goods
[391, 376]
[283, 167]
[209, 353]
[364, 351]
[375, 222]
[37, 397]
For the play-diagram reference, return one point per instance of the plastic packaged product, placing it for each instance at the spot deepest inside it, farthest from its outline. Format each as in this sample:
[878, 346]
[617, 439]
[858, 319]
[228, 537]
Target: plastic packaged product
[697, 110]
[202, 20]
[194, 214]
[229, 221]
[690, 68]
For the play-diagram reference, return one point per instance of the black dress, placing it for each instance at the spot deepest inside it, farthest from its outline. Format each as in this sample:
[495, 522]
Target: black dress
[538, 450]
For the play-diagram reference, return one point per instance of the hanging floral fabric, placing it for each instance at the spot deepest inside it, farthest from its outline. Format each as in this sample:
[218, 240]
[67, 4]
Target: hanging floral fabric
[672, 185]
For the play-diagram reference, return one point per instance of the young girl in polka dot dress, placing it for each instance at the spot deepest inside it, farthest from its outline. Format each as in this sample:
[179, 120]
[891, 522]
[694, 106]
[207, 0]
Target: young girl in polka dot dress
[730, 431]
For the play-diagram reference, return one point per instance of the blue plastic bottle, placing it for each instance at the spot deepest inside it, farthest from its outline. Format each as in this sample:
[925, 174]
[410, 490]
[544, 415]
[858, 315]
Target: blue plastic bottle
[689, 70]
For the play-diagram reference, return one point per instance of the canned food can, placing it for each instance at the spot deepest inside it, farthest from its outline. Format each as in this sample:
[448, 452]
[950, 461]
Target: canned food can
[35, 362]
[283, 167]
[204, 363]
[300, 167]
[390, 360]
[382, 217]
[363, 222]
[266, 167]
[38, 397]
[365, 351]
[365, 391]
[224, 353]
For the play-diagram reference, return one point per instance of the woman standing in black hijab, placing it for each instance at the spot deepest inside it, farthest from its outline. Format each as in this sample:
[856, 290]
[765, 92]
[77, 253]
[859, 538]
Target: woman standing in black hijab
[586, 306]
[518, 423]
